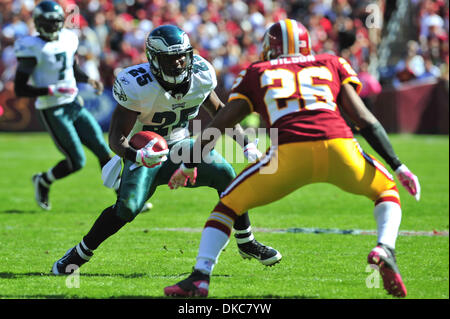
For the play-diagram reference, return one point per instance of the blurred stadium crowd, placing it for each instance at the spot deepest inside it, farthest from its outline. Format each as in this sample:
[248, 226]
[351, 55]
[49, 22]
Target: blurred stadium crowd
[228, 32]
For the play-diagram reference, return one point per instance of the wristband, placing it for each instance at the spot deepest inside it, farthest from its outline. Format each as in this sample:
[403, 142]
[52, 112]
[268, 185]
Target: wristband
[130, 154]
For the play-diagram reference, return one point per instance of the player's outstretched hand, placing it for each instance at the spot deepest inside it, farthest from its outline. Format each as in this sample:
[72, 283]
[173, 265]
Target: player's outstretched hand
[409, 181]
[148, 157]
[251, 151]
[97, 85]
[181, 176]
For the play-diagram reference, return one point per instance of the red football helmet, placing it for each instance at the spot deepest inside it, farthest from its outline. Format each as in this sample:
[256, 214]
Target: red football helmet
[284, 38]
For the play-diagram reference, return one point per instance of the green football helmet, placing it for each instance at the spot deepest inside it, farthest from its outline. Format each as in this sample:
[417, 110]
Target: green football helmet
[170, 55]
[48, 18]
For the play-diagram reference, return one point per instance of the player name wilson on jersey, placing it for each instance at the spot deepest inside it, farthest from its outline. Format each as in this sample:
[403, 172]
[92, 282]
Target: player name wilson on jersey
[294, 59]
[54, 64]
[136, 89]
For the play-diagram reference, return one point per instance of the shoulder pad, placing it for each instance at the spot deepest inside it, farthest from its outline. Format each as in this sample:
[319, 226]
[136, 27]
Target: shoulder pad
[205, 71]
[134, 78]
[130, 86]
[123, 88]
[26, 47]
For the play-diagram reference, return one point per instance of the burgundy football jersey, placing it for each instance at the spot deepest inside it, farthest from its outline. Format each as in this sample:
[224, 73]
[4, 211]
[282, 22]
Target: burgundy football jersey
[298, 95]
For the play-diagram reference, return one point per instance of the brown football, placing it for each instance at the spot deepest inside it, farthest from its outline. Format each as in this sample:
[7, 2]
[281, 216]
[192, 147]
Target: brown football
[142, 138]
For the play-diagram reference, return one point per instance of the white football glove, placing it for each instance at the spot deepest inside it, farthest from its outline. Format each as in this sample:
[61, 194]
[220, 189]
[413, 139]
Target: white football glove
[409, 181]
[251, 151]
[61, 89]
[147, 157]
[181, 176]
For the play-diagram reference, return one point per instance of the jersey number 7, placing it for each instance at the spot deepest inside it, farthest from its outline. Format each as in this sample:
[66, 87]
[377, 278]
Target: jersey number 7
[61, 57]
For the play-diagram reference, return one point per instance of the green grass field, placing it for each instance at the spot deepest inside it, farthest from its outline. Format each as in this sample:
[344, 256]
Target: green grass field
[145, 256]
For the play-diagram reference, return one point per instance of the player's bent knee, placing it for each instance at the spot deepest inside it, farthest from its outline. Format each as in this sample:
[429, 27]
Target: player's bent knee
[224, 175]
[389, 195]
[126, 211]
[78, 164]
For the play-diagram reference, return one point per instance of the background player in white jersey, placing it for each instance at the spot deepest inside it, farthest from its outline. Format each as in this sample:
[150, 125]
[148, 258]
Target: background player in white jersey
[49, 61]
[162, 96]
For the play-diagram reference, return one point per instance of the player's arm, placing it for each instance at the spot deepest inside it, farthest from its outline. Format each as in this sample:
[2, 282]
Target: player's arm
[369, 127]
[122, 122]
[374, 133]
[82, 77]
[24, 70]
[213, 105]
[230, 115]
[25, 67]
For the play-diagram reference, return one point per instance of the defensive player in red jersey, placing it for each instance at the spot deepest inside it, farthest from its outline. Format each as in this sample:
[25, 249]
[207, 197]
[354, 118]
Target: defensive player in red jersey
[299, 93]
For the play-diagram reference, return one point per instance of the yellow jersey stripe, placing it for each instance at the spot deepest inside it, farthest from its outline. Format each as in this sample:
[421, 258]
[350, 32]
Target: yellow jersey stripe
[235, 96]
[354, 80]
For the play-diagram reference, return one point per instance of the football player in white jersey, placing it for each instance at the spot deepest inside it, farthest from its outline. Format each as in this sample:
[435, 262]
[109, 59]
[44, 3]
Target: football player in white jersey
[48, 62]
[162, 96]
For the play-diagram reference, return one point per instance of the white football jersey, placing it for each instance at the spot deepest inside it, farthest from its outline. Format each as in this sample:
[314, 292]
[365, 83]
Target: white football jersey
[54, 64]
[136, 88]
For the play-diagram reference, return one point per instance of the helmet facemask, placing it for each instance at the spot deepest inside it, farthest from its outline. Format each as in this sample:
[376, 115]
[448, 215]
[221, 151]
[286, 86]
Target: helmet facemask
[49, 28]
[267, 53]
[171, 67]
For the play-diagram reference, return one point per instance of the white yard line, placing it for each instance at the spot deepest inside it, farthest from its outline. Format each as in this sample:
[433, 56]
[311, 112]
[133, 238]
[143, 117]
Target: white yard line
[300, 230]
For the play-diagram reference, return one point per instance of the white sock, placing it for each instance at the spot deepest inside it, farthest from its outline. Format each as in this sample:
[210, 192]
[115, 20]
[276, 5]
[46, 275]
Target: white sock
[50, 175]
[388, 216]
[212, 243]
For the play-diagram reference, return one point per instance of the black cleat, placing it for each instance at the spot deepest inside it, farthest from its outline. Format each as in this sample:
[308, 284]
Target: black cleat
[266, 255]
[41, 190]
[71, 261]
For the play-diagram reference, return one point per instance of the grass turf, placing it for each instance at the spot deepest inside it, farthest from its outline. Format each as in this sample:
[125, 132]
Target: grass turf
[144, 256]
